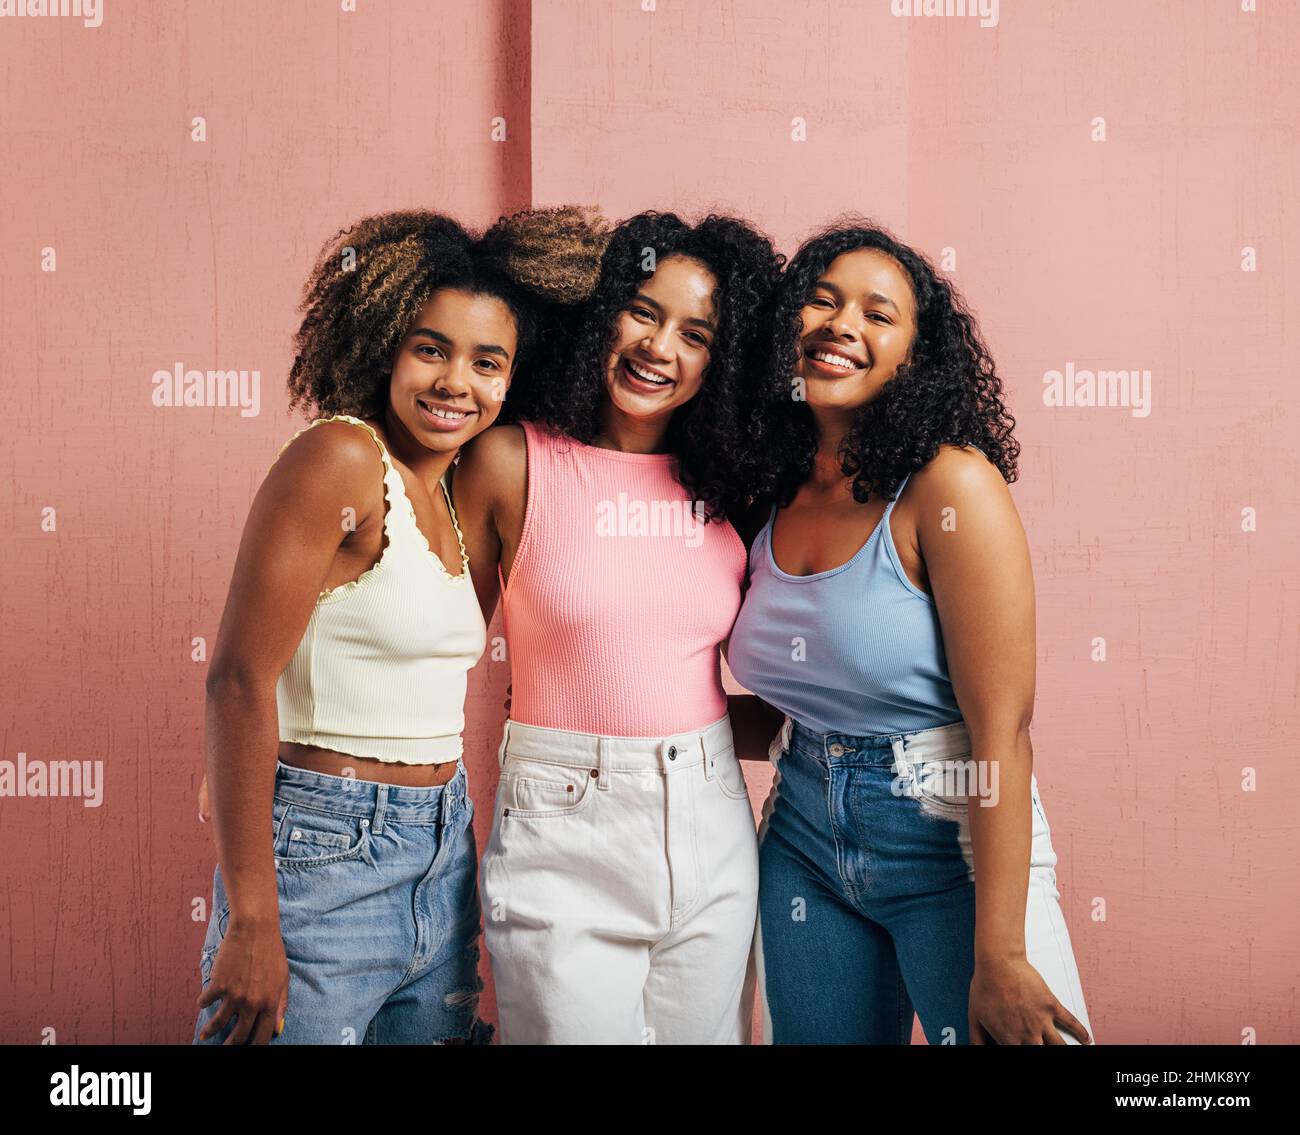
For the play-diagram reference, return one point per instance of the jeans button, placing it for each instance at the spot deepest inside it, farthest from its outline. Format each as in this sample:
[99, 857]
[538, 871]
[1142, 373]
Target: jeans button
[836, 750]
[672, 752]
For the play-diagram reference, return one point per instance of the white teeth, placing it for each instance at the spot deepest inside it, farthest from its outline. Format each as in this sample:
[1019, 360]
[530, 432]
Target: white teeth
[450, 415]
[834, 360]
[658, 380]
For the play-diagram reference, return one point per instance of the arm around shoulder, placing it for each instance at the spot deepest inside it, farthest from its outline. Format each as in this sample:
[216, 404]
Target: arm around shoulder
[488, 487]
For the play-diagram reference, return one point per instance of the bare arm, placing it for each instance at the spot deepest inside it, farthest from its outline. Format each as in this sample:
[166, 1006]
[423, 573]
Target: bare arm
[489, 488]
[977, 557]
[288, 548]
[754, 724]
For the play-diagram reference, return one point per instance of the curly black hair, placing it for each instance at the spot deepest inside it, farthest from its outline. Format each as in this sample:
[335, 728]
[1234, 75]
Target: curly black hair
[371, 279]
[711, 435]
[947, 391]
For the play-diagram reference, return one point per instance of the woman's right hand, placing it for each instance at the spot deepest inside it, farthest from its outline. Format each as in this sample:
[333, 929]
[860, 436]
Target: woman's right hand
[250, 977]
[205, 808]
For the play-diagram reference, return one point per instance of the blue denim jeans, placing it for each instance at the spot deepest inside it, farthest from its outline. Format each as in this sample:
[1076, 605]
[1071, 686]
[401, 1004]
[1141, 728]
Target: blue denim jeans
[867, 891]
[379, 912]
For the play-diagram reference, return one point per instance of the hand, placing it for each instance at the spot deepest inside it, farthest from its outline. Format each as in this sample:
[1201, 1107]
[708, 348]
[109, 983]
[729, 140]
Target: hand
[205, 809]
[1011, 1004]
[250, 977]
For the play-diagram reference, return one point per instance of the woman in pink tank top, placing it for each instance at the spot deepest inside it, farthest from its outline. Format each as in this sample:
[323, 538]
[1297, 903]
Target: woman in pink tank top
[621, 875]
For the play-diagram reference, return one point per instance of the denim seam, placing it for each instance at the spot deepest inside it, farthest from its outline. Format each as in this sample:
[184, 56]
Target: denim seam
[850, 891]
[1065, 958]
[431, 877]
[678, 915]
[903, 1037]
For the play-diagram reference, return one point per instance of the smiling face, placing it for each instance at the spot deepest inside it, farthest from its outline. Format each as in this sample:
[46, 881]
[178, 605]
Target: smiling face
[451, 372]
[661, 341]
[858, 328]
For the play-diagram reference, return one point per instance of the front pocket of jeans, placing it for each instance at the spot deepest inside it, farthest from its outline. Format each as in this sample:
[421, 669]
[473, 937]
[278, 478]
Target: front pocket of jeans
[312, 838]
[945, 784]
[539, 791]
[727, 771]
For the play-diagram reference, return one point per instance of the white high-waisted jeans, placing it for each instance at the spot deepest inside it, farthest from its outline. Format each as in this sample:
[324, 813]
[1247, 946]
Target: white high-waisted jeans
[620, 889]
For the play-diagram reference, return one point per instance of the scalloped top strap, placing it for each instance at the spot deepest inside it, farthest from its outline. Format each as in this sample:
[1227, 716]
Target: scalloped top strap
[455, 523]
[383, 452]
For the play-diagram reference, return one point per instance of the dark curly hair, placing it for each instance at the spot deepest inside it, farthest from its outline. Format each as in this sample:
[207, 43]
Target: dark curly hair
[947, 391]
[711, 434]
[371, 279]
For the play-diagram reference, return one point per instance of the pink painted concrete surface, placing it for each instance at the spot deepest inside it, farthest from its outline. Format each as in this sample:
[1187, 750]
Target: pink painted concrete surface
[976, 144]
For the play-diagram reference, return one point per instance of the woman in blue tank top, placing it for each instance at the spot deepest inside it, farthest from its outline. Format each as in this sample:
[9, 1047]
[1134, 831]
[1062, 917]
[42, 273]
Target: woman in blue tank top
[906, 860]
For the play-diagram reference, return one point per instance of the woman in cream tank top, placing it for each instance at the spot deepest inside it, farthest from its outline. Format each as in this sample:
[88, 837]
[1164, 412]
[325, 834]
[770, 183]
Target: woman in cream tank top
[348, 634]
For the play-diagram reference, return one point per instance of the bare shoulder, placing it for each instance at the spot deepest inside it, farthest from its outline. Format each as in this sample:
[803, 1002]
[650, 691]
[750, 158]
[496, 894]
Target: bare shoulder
[331, 457]
[960, 491]
[497, 445]
[958, 473]
[497, 458]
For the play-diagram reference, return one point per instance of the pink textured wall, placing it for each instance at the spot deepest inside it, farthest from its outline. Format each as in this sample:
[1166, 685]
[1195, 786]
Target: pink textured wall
[172, 250]
[975, 143]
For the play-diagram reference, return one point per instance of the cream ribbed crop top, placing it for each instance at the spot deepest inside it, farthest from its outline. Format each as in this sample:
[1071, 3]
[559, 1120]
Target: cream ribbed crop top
[381, 669]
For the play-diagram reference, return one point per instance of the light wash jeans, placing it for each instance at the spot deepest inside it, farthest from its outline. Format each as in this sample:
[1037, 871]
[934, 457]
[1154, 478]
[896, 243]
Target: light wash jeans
[867, 892]
[620, 887]
[379, 912]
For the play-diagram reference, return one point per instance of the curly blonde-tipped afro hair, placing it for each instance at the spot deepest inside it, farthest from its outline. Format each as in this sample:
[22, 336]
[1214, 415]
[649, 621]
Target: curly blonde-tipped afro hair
[370, 281]
[554, 252]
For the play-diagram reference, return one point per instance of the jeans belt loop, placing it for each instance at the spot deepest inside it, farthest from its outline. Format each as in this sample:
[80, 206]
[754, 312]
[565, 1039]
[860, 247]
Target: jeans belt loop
[901, 767]
[381, 806]
[708, 758]
[787, 731]
[501, 751]
[602, 763]
[447, 805]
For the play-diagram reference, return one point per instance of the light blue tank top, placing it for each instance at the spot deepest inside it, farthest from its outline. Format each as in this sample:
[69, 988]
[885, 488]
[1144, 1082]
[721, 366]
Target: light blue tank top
[857, 649]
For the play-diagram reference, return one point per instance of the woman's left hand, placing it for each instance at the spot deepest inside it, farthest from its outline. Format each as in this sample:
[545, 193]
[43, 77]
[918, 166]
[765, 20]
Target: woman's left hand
[1011, 1004]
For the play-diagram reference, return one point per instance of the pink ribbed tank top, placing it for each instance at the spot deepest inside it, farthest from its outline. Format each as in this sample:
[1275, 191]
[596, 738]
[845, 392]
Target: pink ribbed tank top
[619, 595]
